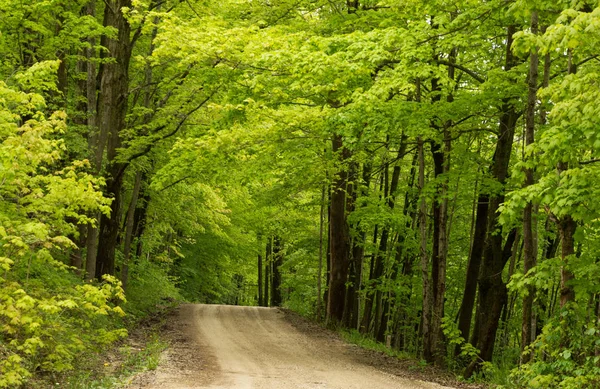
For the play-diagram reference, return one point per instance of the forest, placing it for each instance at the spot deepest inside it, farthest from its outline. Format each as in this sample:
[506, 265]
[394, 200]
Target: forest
[423, 173]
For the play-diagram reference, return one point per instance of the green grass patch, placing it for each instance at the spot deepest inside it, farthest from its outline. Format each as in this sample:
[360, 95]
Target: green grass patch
[355, 337]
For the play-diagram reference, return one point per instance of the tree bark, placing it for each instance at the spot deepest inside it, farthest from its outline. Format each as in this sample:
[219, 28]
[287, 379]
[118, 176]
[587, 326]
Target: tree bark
[320, 269]
[492, 288]
[95, 143]
[427, 297]
[566, 227]
[529, 251]
[353, 270]
[112, 109]
[268, 265]
[473, 267]
[277, 259]
[260, 281]
[365, 325]
[339, 238]
[129, 223]
[440, 247]
[382, 311]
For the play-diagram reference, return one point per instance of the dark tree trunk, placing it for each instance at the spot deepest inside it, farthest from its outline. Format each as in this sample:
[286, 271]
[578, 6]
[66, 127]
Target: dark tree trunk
[438, 258]
[139, 217]
[112, 109]
[382, 308]
[492, 288]
[424, 256]
[268, 265]
[470, 292]
[129, 225]
[277, 258]
[566, 227]
[353, 270]
[320, 269]
[260, 281]
[365, 324]
[339, 239]
[95, 142]
[529, 249]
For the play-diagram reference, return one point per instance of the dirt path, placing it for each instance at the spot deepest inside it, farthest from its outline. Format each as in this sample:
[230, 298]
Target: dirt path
[232, 347]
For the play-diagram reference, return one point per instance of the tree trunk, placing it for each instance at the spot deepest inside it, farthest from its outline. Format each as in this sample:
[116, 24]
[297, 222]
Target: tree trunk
[492, 288]
[129, 223]
[112, 109]
[440, 247]
[339, 239]
[277, 259]
[529, 251]
[354, 273]
[566, 227]
[427, 297]
[473, 267]
[320, 269]
[95, 143]
[139, 217]
[260, 281]
[268, 264]
[365, 325]
[382, 317]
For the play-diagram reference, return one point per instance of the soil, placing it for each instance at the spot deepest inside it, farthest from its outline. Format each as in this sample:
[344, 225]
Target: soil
[217, 346]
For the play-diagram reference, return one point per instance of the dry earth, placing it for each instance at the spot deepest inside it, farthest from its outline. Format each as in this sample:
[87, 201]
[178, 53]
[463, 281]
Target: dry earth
[217, 346]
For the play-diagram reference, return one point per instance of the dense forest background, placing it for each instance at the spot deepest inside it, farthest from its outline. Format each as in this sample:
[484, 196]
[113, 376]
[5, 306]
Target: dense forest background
[424, 172]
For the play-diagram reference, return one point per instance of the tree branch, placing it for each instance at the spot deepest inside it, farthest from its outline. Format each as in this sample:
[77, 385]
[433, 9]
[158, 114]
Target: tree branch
[470, 72]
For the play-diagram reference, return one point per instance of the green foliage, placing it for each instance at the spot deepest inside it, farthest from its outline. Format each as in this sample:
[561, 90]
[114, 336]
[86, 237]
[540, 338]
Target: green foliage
[565, 355]
[468, 352]
[47, 316]
[150, 287]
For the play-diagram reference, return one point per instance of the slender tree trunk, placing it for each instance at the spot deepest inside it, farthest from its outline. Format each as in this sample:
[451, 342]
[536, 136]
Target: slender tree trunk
[320, 269]
[328, 253]
[427, 297]
[277, 260]
[140, 216]
[95, 142]
[567, 227]
[365, 325]
[268, 262]
[441, 161]
[391, 202]
[260, 281]
[473, 267]
[353, 271]
[529, 251]
[379, 258]
[129, 223]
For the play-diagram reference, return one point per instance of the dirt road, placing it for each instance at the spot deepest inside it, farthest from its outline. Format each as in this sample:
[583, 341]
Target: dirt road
[251, 347]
